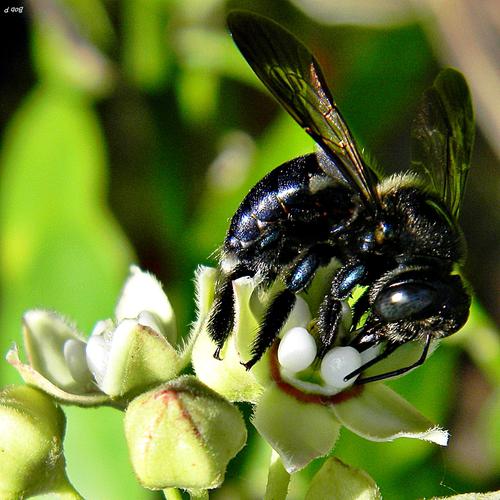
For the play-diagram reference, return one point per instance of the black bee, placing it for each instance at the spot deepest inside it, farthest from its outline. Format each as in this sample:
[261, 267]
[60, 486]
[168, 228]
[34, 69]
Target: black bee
[398, 236]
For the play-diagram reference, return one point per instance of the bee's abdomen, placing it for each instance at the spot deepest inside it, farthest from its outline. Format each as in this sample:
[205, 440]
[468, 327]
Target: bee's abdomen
[297, 193]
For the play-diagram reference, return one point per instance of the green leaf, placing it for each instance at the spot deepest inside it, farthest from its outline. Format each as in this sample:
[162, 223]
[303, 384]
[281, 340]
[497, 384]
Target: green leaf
[62, 250]
[146, 58]
[63, 55]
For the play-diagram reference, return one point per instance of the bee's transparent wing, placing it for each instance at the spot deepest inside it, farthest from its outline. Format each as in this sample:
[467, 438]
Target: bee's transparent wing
[294, 77]
[443, 135]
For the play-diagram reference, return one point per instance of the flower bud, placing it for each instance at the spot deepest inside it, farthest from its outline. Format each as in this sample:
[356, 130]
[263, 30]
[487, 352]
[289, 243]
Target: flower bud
[31, 441]
[347, 482]
[182, 434]
[130, 357]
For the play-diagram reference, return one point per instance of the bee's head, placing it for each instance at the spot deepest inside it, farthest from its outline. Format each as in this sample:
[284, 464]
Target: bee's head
[408, 305]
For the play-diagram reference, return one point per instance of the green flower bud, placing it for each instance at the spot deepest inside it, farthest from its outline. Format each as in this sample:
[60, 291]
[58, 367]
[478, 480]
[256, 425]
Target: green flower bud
[182, 434]
[31, 440]
[343, 482]
[130, 357]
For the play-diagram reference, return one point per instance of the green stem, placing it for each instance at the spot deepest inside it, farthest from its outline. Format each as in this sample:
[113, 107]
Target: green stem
[70, 494]
[278, 479]
[198, 494]
[172, 494]
[61, 487]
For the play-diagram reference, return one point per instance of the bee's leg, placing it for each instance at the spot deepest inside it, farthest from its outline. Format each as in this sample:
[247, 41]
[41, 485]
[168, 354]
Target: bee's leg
[344, 282]
[282, 304]
[328, 322]
[274, 318]
[388, 350]
[221, 320]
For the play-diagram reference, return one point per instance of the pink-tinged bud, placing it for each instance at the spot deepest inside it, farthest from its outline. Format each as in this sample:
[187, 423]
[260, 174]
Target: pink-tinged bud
[182, 434]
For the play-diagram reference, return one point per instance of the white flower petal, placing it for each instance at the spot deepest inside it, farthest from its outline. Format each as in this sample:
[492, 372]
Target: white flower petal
[370, 353]
[300, 315]
[143, 292]
[45, 333]
[298, 431]
[227, 376]
[150, 320]
[97, 354]
[380, 414]
[74, 353]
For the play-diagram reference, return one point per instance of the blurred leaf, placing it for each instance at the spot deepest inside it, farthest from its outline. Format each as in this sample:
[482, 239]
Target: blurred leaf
[490, 422]
[62, 250]
[213, 52]
[62, 55]
[197, 92]
[386, 68]
[481, 339]
[57, 231]
[97, 456]
[198, 10]
[380, 13]
[146, 54]
[281, 141]
[93, 20]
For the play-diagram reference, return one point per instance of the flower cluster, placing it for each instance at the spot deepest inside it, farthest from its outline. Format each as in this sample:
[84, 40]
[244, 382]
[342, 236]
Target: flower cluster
[182, 430]
[299, 406]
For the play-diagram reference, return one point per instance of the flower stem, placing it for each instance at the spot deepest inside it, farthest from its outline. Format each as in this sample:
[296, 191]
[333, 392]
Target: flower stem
[278, 479]
[198, 494]
[61, 487]
[67, 492]
[172, 494]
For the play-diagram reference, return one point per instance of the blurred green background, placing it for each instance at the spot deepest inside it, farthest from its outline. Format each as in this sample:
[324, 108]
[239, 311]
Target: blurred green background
[132, 129]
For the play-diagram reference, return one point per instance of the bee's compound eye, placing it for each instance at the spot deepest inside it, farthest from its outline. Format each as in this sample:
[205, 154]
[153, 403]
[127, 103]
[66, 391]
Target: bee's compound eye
[407, 301]
[297, 349]
[338, 363]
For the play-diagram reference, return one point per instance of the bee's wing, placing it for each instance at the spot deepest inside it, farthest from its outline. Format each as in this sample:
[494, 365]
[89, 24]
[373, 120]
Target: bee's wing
[294, 77]
[443, 135]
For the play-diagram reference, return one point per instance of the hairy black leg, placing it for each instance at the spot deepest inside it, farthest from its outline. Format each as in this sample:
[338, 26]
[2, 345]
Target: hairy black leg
[390, 349]
[274, 318]
[221, 320]
[328, 322]
[343, 283]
